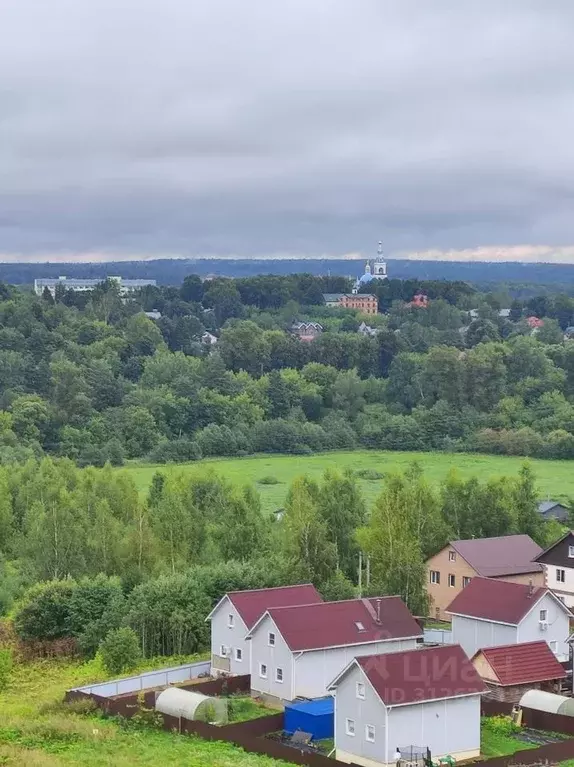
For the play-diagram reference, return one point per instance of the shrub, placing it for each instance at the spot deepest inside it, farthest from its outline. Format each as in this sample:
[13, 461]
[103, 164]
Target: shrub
[371, 474]
[45, 611]
[268, 480]
[500, 725]
[120, 650]
[5, 667]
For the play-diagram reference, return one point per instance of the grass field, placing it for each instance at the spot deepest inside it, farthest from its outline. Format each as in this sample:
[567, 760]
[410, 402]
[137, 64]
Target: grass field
[555, 478]
[37, 730]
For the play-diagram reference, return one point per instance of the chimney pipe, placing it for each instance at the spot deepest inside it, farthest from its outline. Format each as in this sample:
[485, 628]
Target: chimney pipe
[530, 588]
[378, 610]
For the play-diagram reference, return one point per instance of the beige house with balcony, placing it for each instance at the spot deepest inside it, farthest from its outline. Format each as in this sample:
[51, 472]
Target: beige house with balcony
[507, 558]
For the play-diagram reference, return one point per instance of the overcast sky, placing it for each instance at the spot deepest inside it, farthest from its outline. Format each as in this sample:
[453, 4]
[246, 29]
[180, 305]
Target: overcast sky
[265, 127]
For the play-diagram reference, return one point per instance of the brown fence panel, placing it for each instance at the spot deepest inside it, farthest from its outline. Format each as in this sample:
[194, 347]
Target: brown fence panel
[543, 720]
[222, 686]
[490, 707]
[256, 727]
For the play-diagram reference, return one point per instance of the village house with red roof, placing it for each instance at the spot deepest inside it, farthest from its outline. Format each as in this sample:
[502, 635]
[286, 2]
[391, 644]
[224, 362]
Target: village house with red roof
[297, 651]
[495, 613]
[508, 557]
[237, 612]
[511, 670]
[425, 696]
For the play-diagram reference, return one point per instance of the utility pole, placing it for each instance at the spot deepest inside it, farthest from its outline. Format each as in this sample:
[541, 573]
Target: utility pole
[360, 574]
[368, 573]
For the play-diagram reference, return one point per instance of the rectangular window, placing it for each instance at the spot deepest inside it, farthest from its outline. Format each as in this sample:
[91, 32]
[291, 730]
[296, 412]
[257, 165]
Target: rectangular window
[452, 556]
[554, 646]
[271, 639]
[223, 651]
[350, 727]
[434, 576]
[238, 654]
[560, 575]
[571, 552]
[370, 733]
[451, 580]
[230, 620]
[543, 615]
[360, 690]
[263, 671]
[278, 674]
[466, 579]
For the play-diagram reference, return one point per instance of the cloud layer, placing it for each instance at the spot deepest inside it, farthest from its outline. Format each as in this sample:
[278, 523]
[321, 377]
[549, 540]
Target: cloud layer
[160, 127]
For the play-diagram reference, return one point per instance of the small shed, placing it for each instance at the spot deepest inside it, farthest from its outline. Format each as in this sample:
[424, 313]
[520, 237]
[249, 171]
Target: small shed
[185, 704]
[317, 717]
[539, 700]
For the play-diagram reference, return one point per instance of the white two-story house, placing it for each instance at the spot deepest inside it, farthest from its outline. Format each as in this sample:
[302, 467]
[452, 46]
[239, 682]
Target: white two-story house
[492, 613]
[296, 651]
[237, 612]
[558, 563]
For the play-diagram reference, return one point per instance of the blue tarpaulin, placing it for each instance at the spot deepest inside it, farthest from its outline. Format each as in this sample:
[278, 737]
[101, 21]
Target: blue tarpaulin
[313, 716]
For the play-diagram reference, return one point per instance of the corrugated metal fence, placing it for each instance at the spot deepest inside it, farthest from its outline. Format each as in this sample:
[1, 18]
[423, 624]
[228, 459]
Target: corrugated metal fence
[160, 678]
[437, 636]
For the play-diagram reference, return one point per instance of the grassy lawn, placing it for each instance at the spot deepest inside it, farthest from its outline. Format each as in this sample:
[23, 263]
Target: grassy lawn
[244, 709]
[495, 744]
[37, 730]
[498, 740]
[555, 478]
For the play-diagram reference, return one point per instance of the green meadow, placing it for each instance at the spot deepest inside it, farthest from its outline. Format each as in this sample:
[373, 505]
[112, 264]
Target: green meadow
[555, 478]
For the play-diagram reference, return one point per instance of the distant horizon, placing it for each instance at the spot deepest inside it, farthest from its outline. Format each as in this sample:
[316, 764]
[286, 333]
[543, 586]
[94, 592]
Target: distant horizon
[520, 254]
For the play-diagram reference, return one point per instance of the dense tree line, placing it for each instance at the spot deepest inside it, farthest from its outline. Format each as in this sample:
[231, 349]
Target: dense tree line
[92, 378]
[105, 559]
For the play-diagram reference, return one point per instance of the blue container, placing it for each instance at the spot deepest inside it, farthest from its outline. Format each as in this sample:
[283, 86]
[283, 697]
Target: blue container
[317, 717]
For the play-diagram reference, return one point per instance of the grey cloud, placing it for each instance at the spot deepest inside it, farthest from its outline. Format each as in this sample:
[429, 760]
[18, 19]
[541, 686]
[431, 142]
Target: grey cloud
[169, 126]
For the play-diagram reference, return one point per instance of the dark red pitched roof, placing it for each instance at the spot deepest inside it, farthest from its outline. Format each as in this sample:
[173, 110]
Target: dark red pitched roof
[505, 555]
[495, 600]
[432, 673]
[523, 663]
[252, 604]
[348, 622]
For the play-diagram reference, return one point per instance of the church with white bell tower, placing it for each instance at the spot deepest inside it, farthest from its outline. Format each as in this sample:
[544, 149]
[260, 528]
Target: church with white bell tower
[380, 268]
[378, 272]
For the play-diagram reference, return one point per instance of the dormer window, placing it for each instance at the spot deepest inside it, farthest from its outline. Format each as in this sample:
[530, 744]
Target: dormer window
[359, 626]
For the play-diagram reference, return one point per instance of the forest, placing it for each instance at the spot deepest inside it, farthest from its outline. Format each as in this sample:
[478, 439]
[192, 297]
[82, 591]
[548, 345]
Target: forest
[90, 381]
[92, 378]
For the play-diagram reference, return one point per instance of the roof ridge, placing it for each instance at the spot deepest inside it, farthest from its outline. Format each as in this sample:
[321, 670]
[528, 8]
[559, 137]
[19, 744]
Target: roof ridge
[271, 588]
[513, 645]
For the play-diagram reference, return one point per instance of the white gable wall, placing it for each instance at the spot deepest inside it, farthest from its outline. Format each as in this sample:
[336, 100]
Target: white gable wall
[472, 634]
[272, 657]
[556, 634]
[564, 589]
[356, 748]
[231, 638]
[316, 669]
